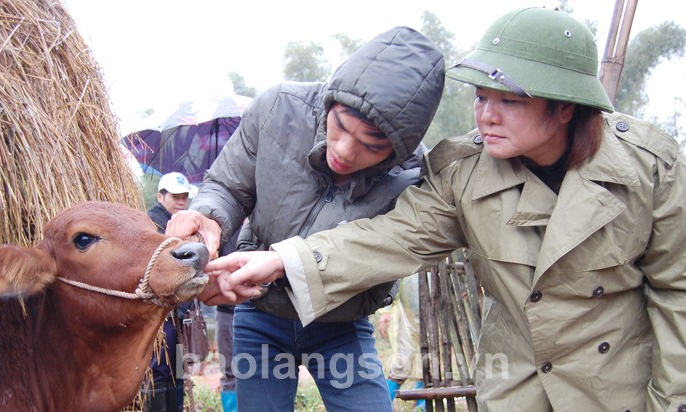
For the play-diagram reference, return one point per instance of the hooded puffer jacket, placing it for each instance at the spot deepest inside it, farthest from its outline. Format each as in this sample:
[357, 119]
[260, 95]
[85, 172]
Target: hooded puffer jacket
[274, 170]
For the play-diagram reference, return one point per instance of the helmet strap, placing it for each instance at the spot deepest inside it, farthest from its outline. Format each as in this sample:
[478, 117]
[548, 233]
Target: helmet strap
[494, 74]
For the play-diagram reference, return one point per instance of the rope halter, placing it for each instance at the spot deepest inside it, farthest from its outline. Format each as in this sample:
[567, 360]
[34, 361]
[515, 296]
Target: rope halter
[143, 291]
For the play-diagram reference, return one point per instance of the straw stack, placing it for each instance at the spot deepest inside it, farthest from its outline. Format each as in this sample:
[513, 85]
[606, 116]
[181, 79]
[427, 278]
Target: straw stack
[60, 144]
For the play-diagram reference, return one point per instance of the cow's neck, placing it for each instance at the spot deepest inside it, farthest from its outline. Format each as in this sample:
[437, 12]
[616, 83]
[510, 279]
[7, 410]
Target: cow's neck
[125, 337]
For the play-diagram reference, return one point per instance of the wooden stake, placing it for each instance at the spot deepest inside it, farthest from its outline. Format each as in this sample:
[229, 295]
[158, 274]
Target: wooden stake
[615, 49]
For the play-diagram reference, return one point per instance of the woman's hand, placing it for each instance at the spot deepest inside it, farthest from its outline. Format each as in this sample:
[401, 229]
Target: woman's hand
[241, 276]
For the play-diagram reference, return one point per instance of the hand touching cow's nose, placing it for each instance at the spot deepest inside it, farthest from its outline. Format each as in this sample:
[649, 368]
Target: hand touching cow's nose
[187, 223]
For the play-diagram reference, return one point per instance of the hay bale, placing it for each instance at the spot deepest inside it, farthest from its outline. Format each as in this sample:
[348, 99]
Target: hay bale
[60, 143]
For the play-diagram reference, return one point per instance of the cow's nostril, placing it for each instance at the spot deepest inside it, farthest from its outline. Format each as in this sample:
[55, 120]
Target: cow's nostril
[193, 253]
[185, 255]
[185, 252]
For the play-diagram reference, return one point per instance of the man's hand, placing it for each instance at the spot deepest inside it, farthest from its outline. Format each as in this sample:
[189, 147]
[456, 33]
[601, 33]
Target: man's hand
[241, 275]
[188, 223]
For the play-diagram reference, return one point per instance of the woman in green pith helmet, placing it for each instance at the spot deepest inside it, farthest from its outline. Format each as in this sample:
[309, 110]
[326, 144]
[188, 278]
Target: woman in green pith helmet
[574, 216]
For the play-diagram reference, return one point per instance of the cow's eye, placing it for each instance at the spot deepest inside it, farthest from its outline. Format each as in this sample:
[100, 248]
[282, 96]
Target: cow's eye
[83, 240]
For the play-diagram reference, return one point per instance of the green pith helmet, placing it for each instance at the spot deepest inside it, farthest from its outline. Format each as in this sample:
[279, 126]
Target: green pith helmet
[537, 52]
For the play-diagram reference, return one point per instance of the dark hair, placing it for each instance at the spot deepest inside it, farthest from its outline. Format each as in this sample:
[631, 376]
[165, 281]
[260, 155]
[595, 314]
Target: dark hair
[162, 192]
[364, 119]
[585, 132]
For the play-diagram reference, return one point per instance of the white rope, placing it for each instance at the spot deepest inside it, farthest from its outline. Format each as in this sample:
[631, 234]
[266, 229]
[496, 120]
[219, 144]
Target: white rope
[118, 293]
[143, 290]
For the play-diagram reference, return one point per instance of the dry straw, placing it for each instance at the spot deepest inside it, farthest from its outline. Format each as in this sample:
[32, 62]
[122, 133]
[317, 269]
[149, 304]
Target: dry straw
[60, 144]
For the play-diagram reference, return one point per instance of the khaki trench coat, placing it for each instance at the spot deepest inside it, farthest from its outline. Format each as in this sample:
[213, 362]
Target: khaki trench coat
[585, 306]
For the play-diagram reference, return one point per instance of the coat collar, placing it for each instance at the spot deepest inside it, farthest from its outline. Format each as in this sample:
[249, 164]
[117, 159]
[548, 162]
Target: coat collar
[610, 164]
[582, 207]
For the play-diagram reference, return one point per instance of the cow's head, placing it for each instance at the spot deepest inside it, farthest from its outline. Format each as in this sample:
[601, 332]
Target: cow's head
[109, 247]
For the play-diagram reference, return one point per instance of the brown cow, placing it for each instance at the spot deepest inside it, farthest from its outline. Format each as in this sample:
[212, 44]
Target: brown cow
[85, 345]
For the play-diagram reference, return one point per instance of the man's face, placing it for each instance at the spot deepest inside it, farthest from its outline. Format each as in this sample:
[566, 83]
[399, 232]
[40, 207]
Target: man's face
[352, 145]
[173, 202]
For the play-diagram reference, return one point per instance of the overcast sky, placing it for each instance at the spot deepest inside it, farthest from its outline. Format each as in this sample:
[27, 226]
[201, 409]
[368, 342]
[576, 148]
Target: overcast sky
[156, 53]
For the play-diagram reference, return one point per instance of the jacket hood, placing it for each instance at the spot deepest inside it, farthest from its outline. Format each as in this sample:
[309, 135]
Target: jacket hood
[396, 80]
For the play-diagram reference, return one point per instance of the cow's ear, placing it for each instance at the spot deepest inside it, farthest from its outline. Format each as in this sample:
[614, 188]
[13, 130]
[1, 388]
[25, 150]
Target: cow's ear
[24, 270]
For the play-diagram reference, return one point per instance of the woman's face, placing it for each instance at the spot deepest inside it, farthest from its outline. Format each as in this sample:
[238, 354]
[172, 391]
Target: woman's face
[352, 145]
[514, 126]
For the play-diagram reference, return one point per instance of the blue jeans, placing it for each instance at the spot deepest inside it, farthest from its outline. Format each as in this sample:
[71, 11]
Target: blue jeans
[341, 357]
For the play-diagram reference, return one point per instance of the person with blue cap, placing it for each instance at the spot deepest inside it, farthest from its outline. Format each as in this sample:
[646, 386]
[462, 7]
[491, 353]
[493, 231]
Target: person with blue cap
[574, 216]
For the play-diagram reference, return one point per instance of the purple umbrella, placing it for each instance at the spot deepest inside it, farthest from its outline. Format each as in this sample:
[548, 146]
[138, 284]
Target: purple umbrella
[190, 139]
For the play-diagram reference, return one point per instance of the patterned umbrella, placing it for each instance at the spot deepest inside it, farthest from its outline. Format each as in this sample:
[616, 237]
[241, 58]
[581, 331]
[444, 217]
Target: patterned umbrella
[190, 139]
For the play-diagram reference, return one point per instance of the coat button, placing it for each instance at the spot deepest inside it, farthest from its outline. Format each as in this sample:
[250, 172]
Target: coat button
[477, 139]
[681, 408]
[317, 256]
[546, 367]
[623, 127]
[598, 292]
[536, 296]
[603, 347]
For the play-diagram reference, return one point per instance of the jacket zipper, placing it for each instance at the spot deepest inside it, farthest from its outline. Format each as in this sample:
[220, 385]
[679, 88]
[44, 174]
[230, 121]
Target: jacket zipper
[327, 197]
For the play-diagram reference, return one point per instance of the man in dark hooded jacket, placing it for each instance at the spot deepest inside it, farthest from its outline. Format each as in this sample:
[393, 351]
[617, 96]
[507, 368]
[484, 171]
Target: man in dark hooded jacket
[305, 158]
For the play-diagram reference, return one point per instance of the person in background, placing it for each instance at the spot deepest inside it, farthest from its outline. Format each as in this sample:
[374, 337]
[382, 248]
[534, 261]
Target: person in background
[173, 192]
[243, 240]
[400, 324]
[307, 157]
[224, 337]
[575, 217]
[165, 392]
